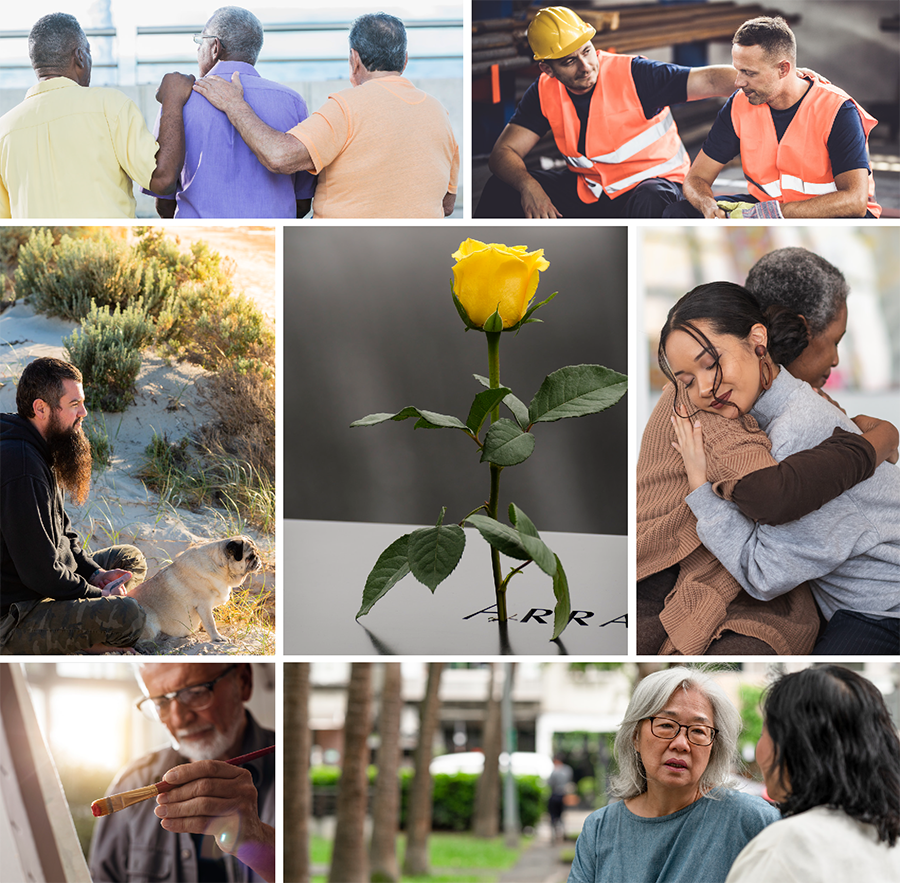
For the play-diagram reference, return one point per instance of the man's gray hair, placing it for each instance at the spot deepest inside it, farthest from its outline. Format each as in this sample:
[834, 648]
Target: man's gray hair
[650, 697]
[803, 282]
[239, 31]
[53, 39]
[380, 40]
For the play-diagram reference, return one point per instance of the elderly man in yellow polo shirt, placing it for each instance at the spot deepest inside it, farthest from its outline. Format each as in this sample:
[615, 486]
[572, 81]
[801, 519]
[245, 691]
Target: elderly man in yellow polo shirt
[68, 151]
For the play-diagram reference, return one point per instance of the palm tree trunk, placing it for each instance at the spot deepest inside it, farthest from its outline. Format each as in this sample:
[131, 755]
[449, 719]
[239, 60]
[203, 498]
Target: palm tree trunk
[418, 820]
[298, 793]
[350, 863]
[386, 803]
[486, 818]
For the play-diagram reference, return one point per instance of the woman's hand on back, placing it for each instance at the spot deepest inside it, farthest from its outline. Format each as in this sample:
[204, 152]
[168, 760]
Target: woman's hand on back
[689, 443]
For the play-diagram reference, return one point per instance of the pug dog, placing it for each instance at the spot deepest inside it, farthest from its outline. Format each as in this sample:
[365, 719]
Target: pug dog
[182, 596]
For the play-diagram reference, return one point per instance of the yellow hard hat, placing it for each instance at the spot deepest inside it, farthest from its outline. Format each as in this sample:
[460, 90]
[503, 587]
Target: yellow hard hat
[556, 32]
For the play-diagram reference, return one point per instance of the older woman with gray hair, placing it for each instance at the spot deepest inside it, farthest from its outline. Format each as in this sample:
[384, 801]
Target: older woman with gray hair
[678, 819]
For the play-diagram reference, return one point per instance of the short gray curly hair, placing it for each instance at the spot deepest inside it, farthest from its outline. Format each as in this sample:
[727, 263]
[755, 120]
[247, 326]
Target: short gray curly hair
[650, 697]
[53, 39]
[240, 32]
[802, 281]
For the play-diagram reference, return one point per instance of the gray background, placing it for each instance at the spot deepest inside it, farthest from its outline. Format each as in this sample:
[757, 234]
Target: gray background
[369, 326]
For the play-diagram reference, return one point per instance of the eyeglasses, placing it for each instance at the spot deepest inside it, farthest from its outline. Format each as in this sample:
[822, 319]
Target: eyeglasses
[697, 734]
[199, 38]
[197, 697]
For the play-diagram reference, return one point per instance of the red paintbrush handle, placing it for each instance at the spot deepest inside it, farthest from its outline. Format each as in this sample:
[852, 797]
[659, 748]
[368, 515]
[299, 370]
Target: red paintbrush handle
[164, 786]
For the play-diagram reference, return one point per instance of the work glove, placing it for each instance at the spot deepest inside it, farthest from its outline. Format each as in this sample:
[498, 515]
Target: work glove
[767, 210]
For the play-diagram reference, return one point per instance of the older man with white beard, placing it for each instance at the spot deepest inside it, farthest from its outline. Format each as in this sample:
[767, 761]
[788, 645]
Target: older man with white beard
[55, 597]
[218, 823]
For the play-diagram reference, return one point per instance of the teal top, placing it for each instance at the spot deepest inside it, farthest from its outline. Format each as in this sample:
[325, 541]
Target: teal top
[697, 844]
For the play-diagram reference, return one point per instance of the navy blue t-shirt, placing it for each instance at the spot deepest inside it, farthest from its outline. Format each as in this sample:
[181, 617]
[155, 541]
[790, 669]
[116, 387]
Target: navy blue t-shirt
[658, 85]
[846, 142]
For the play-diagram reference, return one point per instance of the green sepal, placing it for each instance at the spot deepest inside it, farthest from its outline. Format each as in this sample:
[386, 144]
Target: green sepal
[516, 406]
[494, 324]
[427, 419]
[503, 538]
[483, 404]
[506, 444]
[462, 311]
[576, 391]
[434, 552]
[392, 565]
[527, 317]
[537, 549]
[563, 605]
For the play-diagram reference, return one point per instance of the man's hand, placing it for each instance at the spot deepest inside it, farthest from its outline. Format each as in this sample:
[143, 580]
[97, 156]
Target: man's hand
[536, 203]
[102, 578]
[175, 88]
[221, 94]
[213, 797]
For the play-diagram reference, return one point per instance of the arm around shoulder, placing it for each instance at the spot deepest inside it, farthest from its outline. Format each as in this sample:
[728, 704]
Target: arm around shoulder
[174, 91]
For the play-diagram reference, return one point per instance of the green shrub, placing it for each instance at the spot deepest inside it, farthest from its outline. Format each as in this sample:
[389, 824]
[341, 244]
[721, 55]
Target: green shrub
[453, 798]
[63, 280]
[107, 351]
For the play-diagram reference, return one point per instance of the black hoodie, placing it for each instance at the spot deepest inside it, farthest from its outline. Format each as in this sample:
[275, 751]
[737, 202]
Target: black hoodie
[40, 554]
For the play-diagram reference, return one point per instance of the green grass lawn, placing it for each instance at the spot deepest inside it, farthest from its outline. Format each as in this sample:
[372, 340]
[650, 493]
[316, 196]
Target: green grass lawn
[455, 858]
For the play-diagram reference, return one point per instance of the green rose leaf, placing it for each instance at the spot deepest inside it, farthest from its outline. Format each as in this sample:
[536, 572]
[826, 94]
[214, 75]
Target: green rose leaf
[434, 552]
[576, 391]
[462, 310]
[563, 605]
[392, 565]
[503, 538]
[427, 419]
[506, 444]
[516, 406]
[537, 549]
[484, 403]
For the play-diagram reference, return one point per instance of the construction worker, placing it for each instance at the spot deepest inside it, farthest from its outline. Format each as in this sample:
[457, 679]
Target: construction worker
[803, 142]
[610, 117]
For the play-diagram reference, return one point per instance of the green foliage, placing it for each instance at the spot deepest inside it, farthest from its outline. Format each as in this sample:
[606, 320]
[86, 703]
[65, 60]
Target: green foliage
[107, 351]
[66, 278]
[576, 391]
[191, 476]
[98, 436]
[453, 799]
[751, 714]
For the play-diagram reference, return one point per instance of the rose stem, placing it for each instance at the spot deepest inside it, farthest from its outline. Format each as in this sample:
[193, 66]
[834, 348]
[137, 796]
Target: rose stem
[493, 342]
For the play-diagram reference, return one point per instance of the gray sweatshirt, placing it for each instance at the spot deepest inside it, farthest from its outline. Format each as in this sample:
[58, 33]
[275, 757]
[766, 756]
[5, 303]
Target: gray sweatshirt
[849, 549]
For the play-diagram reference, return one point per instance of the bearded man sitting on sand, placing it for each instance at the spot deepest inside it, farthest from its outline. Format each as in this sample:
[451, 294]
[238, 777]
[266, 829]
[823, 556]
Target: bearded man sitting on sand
[55, 598]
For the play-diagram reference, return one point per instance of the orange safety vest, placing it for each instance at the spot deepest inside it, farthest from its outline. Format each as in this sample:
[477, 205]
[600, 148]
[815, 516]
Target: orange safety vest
[797, 167]
[623, 146]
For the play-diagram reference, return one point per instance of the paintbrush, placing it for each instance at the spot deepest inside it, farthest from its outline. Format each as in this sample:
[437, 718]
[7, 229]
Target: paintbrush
[106, 805]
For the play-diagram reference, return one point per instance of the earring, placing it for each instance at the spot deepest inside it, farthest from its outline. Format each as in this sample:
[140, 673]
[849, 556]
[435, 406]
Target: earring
[766, 374]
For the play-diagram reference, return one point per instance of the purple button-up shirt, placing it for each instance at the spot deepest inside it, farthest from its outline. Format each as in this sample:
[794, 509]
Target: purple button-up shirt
[221, 177]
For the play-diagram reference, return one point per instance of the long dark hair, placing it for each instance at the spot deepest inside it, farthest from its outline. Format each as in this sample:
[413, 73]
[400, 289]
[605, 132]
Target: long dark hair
[732, 310]
[835, 745]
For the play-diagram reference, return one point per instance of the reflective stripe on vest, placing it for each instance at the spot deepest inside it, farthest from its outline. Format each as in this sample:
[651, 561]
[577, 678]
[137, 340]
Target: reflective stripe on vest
[798, 167]
[622, 153]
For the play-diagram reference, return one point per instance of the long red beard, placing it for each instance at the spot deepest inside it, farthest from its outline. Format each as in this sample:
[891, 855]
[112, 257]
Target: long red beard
[70, 457]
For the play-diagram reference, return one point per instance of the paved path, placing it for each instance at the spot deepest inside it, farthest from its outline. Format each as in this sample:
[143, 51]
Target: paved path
[541, 862]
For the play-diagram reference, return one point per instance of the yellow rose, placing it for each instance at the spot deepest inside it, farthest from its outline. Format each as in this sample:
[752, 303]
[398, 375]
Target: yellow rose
[489, 278]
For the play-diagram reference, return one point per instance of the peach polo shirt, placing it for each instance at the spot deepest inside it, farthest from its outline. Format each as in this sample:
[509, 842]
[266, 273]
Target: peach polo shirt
[384, 149]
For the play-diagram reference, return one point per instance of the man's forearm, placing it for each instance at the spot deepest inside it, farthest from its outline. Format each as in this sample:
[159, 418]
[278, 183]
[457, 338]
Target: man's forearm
[841, 204]
[170, 156]
[510, 168]
[278, 151]
[698, 192]
[260, 854]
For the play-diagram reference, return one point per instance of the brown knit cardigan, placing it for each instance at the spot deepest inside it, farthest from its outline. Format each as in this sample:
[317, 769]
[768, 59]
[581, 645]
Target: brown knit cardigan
[707, 600]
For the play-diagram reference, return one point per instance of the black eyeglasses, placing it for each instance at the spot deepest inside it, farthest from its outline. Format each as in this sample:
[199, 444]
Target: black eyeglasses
[196, 698]
[697, 734]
